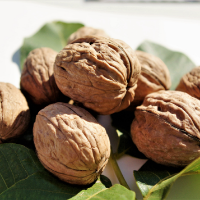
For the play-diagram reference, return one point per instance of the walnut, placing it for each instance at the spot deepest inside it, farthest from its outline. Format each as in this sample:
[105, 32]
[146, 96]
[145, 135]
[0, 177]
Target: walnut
[70, 143]
[97, 72]
[190, 83]
[166, 128]
[14, 112]
[37, 79]
[84, 31]
[154, 77]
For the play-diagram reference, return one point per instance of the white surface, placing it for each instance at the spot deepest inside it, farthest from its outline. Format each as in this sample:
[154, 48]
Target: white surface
[170, 25]
[176, 26]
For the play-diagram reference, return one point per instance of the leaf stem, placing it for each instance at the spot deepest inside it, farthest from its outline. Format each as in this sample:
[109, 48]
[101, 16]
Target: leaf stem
[117, 170]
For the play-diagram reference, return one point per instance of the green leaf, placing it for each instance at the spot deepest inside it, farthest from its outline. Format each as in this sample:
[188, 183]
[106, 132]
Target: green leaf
[155, 181]
[150, 174]
[177, 63]
[126, 146]
[113, 193]
[122, 122]
[23, 177]
[53, 35]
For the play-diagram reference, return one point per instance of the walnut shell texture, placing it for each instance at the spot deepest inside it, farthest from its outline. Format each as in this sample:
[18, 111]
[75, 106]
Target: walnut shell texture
[154, 77]
[166, 128]
[37, 79]
[97, 72]
[84, 31]
[70, 143]
[190, 83]
[14, 112]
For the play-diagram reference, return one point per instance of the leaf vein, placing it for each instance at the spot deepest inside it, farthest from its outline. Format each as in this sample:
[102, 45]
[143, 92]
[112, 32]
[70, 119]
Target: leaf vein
[8, 164]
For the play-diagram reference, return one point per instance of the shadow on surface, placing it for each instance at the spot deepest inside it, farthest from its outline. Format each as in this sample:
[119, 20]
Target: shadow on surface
[16, 58]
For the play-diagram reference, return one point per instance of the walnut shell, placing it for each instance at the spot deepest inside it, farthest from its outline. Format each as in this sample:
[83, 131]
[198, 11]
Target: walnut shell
[37, 79]
[190, 83]
[14, 112]
[70, 143]
[166, 128]
[154, 77]
[97, 72]
[84, 31]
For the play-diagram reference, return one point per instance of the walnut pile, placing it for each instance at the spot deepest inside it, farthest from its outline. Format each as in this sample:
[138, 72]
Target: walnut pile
[166, 128]
[84, 31]
[37, 79]
[98, 72]
[14, 112]
[154, 77]
[190, 83]
[70, 143]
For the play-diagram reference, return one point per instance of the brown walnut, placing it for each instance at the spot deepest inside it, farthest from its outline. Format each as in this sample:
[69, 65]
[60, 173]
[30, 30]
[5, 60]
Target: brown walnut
[37, 79]
[70, 143]
[98, 72]
[14, 112]
[166, 128]
[154, 77]
[190, 83]
[84, 31]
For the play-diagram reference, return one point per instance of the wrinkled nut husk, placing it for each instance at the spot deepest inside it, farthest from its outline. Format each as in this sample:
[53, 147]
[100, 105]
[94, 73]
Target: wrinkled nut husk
[70, 143]
[166, 128]
[154, 77]
[97, 72]
[84, 31]
[37, 79]
[14, 112]
[190, 83]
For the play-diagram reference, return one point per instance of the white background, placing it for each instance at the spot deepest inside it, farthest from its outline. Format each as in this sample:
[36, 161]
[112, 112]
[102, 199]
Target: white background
[176, 26]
